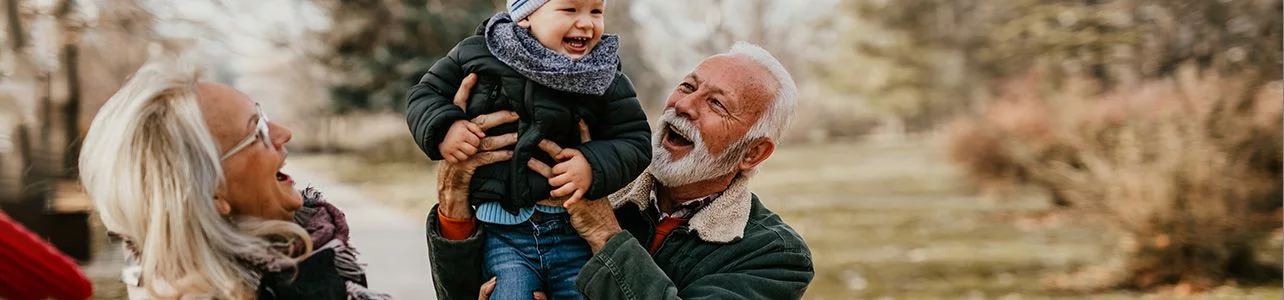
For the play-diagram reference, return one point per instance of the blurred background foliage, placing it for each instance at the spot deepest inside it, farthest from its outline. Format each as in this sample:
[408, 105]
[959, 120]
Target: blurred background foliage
[1077, 148]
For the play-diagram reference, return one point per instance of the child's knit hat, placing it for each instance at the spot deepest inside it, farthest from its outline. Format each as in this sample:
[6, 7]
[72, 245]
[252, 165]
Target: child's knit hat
[520, 9]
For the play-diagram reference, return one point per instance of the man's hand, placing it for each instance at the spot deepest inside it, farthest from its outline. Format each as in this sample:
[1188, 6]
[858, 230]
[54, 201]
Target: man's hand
[489, 287]
[454, 176]
[461, 141]
[453, 179]
[571, 176]
[594, 220]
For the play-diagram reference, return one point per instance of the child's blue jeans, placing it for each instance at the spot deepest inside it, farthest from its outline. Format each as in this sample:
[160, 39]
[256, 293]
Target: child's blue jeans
[541, 254]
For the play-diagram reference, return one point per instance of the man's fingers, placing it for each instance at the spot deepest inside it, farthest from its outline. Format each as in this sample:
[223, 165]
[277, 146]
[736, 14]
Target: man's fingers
[465, 88]
[550, 147]
[450, 158]
[539, 296]
[496, 142]
[540, 167]
[486, 289]
[565, 190]
[476, 130]
[490, 157]
[584, 132]
[488, 121]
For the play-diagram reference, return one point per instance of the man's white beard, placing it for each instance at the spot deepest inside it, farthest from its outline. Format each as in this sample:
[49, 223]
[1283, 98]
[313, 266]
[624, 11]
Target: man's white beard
[698, 165]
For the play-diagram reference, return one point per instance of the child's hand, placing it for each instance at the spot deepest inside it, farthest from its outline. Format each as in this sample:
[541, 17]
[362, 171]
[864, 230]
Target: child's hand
[461, 141]
[571, 176]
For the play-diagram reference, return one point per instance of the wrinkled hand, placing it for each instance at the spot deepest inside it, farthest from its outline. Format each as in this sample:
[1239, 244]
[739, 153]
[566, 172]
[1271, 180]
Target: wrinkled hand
[489, 287]
[453, 177]
[593, 220]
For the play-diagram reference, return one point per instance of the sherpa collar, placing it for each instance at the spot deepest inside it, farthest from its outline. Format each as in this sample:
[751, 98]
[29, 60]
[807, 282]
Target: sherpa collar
[723, 221]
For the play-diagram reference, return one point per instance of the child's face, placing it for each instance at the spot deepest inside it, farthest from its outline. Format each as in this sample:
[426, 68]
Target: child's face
[571, 27]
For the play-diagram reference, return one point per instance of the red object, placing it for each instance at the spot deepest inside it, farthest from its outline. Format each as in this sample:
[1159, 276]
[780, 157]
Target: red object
[453, 229]
[663, 230]
[456, 229]
[32, 269]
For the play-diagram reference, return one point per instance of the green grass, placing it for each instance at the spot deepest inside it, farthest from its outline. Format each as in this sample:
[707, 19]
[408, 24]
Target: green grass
[881, 221]
[408, 186]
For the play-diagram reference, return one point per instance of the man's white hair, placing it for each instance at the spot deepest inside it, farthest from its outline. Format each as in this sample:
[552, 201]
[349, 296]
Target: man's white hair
[776, 119]
[701, 165]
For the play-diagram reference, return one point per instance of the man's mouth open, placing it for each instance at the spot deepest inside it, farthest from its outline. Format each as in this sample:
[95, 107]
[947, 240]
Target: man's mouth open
[674, 138]
[576, 45]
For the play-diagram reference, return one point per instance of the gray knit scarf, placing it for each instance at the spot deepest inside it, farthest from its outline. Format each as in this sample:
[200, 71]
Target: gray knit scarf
[516, 47]
[328, 227]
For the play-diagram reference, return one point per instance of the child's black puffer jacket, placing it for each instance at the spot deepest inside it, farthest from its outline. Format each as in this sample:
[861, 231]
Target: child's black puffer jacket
[619, 151]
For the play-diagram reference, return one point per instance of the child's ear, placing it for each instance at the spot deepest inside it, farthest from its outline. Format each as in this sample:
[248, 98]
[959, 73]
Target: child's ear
[524, 23]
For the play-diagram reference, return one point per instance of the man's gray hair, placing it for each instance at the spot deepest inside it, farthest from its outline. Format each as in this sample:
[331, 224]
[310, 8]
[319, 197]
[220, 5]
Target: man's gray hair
[776, 119]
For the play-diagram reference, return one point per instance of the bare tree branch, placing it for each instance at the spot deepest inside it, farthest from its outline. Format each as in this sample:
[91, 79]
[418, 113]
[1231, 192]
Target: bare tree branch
[17, 34]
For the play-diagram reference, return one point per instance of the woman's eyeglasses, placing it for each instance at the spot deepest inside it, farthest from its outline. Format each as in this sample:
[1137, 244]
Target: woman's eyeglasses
[260, 133]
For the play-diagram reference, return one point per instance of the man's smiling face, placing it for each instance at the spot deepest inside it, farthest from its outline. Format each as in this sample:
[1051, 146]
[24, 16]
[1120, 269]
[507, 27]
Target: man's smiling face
[702, 133]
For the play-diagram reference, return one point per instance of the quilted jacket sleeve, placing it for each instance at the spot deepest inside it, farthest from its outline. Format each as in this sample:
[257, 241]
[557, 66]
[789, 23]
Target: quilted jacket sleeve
[430, 108]
[759, 268]
[620, 148]
[456, 264]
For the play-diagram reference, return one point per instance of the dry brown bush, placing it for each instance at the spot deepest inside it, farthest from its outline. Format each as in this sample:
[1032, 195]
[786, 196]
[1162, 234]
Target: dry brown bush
[1189, 170]
[977, 144]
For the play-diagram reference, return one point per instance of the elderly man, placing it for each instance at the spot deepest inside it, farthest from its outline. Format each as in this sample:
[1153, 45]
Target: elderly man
[688, 227]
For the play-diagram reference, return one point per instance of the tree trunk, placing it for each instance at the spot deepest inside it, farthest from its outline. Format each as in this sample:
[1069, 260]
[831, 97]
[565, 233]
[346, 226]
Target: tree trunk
[71, 110]
[646, 80]
[16, 33]
[44, 163]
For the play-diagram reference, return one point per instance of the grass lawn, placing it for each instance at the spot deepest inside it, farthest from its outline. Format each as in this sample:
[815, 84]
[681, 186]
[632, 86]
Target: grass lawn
[890, 220]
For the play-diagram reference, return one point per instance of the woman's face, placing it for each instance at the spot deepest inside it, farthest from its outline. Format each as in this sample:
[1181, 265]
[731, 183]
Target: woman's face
[255, 185]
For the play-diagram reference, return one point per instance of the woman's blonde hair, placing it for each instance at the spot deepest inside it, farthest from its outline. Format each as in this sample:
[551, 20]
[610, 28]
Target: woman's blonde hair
[152, 168]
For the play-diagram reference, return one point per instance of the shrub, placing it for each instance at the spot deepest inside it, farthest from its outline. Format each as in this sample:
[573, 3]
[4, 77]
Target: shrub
[977, 144]
[1189, 170]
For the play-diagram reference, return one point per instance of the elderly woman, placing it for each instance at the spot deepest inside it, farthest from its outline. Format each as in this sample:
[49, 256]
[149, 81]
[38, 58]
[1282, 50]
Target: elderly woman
[187, 173]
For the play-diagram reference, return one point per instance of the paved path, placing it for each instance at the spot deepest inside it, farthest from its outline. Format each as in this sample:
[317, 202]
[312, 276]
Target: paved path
[390, 242]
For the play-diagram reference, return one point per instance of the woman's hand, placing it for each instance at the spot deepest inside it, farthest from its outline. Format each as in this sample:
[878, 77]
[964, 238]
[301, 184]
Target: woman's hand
[454, 178]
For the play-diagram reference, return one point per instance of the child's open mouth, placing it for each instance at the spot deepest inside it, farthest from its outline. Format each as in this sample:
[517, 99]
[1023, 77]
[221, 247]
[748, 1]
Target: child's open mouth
[576, 44]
